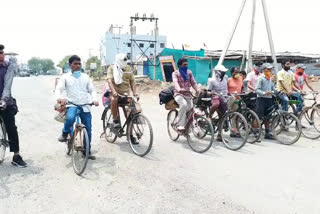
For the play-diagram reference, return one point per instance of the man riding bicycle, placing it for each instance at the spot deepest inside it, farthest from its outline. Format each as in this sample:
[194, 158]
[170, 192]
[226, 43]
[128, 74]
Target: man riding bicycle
[218, 88]
[9, 108]
[120, 79]
[183, 81]
[77, 88]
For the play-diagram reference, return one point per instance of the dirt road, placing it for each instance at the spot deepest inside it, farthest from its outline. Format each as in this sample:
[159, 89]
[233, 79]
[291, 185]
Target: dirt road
[261, 178]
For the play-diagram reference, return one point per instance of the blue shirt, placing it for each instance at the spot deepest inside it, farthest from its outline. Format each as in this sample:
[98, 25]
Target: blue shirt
[263, 85]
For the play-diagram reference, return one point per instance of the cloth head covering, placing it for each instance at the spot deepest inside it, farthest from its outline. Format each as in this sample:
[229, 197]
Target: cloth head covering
[120, 63]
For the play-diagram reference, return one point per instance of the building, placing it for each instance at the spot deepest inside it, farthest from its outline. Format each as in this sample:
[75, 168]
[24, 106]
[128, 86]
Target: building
[113, 43]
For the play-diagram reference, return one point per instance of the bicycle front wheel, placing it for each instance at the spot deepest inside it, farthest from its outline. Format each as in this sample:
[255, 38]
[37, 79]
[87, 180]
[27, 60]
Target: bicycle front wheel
[254, 125]
[200, 134]
[140, 129]
[315, 117]
[80, 150]
[234, 130]
[3, 140]
[308, 124]
[286, 128]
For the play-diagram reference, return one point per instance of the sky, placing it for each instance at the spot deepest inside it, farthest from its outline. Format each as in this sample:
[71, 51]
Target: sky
[56, 28]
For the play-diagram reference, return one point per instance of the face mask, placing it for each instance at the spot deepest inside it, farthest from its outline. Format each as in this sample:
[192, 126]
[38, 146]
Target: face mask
[268, 75]
[237, 76]
[183, 69]
[286, 68]
[76, 74]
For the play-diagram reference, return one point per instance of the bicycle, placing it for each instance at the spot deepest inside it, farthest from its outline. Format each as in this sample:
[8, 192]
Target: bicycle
[225, 125]
[136, 124]
[284, 124]
[4, 143]
[310, 117]
[78, 145]
[254, 124]
[199, 126]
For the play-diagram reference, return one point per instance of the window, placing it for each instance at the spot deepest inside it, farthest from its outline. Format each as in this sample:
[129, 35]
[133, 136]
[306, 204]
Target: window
[129, 55]
[152, 45]
[141, 45]
[162, 45]
[129, 45]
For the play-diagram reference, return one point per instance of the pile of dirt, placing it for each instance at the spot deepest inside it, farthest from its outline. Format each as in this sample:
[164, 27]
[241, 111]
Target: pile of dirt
[151, 86]
[145, 85]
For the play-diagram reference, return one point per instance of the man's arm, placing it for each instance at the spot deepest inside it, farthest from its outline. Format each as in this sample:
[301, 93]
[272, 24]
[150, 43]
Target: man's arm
[133, 85]
[258, 88]
[296, 86]
[8, 80]
[175, 82]
[248, 79]
[61, 90]
[309, 85]
[93, 92]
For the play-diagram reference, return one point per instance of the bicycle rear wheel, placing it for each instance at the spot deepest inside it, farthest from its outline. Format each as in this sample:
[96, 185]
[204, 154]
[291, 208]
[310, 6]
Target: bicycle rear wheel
[140, 128]
[3, 140]
[254, 125]
[286, 128]
[80, 150]
[107, 122]
[315, 117]
[308, 124]
[198, 136]
[231, 122]
[172, 116]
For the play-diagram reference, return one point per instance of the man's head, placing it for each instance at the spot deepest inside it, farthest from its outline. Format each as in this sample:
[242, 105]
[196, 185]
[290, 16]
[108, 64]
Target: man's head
[286, 64]
[300, 69]
[243, 74]
[220, 71]
[75, 63]
[235, 72]
[1, 53]
[257, 66]
[267, 70]
[182, 62]
[121, 60]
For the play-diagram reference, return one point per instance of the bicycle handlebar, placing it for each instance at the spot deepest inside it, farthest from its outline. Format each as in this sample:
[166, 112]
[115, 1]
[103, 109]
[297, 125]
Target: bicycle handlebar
[87, 104]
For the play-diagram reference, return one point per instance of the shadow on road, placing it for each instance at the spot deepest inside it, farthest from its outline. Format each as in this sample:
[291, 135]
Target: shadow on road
[10, 174]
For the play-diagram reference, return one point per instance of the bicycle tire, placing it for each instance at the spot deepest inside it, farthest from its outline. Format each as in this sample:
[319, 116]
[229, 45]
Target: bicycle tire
[308, 124]
[170, 125]
[84, 153]
[315, 116]
[108, 134]
[204, 125]
[251, 116]
[138, 120]
[3, 143]
[276, 122]
[224, 126]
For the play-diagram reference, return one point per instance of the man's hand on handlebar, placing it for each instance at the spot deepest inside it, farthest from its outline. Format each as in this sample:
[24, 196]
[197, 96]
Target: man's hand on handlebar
[3, 105]
[96, 103]
[62, 102]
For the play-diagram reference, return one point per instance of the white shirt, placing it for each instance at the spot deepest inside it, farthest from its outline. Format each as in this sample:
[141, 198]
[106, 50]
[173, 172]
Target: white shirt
[76, 90]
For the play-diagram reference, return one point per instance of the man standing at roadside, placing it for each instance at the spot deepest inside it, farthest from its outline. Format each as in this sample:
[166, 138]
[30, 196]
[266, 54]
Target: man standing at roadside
[9, 109]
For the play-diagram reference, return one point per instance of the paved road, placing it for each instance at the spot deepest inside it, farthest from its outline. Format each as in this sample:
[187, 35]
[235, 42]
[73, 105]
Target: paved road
[262, 178]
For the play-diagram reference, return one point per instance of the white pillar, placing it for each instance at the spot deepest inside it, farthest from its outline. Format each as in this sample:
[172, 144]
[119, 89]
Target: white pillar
[273, 53]
[250, 64]
[231, 35]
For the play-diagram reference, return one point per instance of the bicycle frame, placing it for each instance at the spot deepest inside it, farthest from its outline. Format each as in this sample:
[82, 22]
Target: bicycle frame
[120, 132]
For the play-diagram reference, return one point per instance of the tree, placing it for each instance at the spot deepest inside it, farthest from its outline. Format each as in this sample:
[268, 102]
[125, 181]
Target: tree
[64, 61]
[38, 64]
[96, 73]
